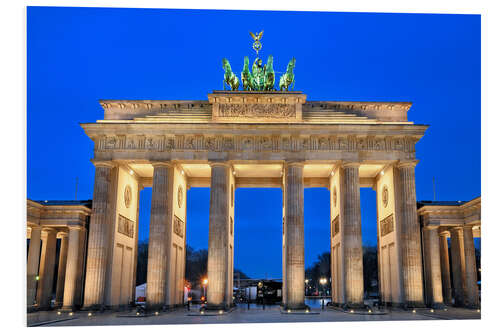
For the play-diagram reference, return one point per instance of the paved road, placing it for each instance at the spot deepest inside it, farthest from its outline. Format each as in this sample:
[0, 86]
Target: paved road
[241, 314]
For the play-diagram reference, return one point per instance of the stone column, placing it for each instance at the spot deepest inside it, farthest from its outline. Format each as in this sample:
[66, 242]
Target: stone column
[470, 283]
[409, 235]
[32, 267]
[294, 229]
[61, 271]
[351, 234]
[158, 243]
[82, 255]
[217, 236]
[433, 267]
[72, 269]
[445, 267]
[457, 265]
[98, 243]
[47, 267]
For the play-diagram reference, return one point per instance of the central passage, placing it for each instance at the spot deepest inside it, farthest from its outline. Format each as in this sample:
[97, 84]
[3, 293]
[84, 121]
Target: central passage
[258, 234]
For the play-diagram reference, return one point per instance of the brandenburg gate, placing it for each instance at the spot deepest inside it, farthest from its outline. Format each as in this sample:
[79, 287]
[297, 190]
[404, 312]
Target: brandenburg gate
[241, 139]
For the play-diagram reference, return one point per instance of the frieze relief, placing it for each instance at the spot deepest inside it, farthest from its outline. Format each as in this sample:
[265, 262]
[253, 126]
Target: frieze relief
[264, 143]
[125, 226]
[178, 226]
[387, 225]
[257, 110]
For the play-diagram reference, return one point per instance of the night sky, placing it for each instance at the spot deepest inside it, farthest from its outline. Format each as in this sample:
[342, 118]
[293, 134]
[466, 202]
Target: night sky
[77, 56]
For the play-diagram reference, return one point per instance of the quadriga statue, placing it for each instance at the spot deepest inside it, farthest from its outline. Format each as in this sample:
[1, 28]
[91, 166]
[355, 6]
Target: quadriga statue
[288, 78]
[229, 77]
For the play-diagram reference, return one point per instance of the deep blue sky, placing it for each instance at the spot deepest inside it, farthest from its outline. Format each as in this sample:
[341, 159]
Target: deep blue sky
[77, 56]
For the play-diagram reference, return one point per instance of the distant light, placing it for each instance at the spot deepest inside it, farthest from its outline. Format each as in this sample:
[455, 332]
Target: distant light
[478, 310]
[414, 311]
[369, 310]
[58, 313]
[307, 310]
[432, 310]
[221, 312]
[307, 280]
[234, 172]
[71, 313]
[90, 314]
[202, 312]
[288, 310]
[445, 309]
[205, 281]
[137, 313]
[46, 200]
[352, 311]
[37, 277]
[131, 171]
[156, 313]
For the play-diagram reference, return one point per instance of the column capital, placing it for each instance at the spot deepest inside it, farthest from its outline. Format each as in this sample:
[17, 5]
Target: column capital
[75, 227]
[103, 164]
[219, 163]
[159, 164]
[467, 226]
[34, 227]
[407, 163]
[293, 163]
[62, 234]
[444, 233]
[349, 164]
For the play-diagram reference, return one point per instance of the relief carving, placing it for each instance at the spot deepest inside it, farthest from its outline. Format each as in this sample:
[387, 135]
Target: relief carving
[387, 225]
[178, 226]
[125, 226]
[257, 110]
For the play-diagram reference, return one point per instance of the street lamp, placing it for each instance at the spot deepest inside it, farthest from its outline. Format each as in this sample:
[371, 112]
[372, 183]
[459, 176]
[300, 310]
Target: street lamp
[205, 282]
[322, 281]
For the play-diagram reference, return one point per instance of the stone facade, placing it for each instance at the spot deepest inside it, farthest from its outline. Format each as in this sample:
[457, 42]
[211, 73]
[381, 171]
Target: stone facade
[251, 139]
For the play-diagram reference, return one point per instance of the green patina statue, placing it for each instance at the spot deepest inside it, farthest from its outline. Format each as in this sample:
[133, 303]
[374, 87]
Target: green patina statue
[258, 75]
[288, 78]
[229, 77]
[246, 76]
[262, 77]
[269, 74]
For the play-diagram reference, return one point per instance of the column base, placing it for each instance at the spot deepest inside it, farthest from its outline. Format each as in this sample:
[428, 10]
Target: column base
[438, 306]
[296, 307]
[94, 307]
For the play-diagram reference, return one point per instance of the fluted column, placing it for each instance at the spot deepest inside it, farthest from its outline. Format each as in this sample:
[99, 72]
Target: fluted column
[72, 268]
[470, 283]
[217, 236]
[82, 255]
[445, 267]
[294, 229]
[47, 267]
[409, 235]
[457, 265]
[433, 267]
[158, 243]
[61, 270]
[351, 234]
[98, 242]
[32, 267]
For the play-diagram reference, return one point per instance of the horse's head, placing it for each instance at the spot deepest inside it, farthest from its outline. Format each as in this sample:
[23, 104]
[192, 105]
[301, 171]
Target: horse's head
[270, 60]
[225, 64]
[291, 64]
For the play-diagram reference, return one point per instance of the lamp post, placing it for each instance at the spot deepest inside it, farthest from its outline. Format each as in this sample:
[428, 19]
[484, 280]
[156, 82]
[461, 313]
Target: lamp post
[306, 281]
[205, 282]
[322, 281]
